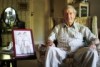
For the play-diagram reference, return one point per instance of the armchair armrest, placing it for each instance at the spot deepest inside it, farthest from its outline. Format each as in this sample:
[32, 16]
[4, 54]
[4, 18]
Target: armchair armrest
[94, 25]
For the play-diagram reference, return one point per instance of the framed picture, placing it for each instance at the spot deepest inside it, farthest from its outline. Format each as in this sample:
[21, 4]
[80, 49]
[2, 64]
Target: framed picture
[23, 43]
[84, 11]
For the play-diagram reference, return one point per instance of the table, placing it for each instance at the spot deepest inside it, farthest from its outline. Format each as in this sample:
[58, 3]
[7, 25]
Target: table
[8, 58]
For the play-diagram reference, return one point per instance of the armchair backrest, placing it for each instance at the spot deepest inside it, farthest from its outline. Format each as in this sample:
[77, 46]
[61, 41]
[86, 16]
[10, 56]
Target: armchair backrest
[90, 22]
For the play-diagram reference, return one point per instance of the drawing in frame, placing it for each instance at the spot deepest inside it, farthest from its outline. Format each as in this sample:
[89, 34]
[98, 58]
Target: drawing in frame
[23, 43]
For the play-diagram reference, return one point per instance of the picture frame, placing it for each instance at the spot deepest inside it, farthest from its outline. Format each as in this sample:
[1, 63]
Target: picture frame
[84, 11]
[23, 44]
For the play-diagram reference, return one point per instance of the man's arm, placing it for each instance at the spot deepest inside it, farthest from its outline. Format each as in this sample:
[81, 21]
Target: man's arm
[93, 40]
[94, 43]
[52, 36]
[49, 42]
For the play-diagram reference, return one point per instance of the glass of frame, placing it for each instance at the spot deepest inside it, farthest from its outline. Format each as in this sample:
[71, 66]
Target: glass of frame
[23, 43]
[84, 11]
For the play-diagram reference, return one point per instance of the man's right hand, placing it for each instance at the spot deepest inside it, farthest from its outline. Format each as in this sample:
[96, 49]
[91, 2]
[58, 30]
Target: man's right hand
[50, 43]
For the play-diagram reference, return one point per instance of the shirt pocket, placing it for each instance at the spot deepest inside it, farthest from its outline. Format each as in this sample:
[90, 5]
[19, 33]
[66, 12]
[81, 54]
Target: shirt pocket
[78, 35]
[62, 37]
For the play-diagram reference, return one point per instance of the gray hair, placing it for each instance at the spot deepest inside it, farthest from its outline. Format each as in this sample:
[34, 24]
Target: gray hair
[69, 6]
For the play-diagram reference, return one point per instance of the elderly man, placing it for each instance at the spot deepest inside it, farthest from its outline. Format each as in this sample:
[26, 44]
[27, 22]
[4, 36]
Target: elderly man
[70, 36]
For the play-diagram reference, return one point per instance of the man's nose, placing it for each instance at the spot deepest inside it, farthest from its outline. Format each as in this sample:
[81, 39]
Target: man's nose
[68, 16]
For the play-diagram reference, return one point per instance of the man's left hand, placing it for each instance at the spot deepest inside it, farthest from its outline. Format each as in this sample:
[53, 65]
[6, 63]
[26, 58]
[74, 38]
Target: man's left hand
[93, 46]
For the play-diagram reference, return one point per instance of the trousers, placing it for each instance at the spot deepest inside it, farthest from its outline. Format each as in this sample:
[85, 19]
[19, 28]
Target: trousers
[85, 57]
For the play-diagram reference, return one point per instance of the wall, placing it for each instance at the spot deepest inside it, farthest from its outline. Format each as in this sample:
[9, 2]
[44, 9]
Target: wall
[15, 4]
[40, 20]
[21, 13]
[95, 9]
[58, 7]
[36, 17]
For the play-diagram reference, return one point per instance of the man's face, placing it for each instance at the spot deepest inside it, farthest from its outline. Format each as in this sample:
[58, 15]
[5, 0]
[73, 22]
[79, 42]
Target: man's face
[69, 16]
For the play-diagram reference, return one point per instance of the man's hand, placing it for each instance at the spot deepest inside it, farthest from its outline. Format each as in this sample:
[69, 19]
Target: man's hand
[49, 43]
[93, 46]
[94, 43]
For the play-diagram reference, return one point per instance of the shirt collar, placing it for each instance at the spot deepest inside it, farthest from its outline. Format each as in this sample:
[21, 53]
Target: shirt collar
[73, 26]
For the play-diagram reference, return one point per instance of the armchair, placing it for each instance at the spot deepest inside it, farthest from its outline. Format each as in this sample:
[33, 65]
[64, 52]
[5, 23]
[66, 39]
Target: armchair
[91, 22]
